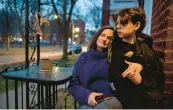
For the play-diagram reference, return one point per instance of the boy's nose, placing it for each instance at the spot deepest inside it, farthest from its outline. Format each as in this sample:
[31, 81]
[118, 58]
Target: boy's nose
[118, 25]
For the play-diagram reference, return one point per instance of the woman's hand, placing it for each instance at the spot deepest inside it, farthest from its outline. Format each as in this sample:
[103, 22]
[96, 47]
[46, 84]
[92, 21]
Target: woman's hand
[133, 72]
[91, 98]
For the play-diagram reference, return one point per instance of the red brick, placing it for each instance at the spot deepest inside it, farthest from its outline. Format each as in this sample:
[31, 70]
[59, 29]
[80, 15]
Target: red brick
[169, 34]
[168, 87]
[169, 56]
[168, 66]
[169, 44]
[162, 33]
[169, 76]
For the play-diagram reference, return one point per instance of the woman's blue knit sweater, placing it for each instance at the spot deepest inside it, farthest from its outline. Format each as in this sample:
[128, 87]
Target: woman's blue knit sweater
[90, 74]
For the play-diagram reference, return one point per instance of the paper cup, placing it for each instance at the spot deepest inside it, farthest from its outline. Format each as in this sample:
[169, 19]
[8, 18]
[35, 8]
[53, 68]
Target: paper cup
[45, 64]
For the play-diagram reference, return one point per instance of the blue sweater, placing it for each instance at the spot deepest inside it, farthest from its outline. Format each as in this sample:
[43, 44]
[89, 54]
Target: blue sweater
[90, 74]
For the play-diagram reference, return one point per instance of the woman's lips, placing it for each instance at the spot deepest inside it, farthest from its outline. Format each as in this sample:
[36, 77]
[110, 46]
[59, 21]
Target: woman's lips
[101, 42]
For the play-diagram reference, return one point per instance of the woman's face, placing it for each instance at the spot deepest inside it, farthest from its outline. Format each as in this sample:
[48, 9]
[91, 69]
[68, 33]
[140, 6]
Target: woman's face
[104, 38]
[126, 30]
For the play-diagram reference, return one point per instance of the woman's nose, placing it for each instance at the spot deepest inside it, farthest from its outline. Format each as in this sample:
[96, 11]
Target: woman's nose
[104, 42]
[104, 38]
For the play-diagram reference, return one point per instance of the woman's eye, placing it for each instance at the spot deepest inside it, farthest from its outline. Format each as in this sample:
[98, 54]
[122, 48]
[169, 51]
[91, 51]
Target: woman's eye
[110, 38]
[102, 35]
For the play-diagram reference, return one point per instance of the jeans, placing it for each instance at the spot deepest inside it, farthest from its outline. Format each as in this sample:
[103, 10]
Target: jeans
[113, 103]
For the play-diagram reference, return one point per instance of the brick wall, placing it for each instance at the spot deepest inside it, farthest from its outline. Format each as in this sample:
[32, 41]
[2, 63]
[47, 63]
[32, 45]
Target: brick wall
[162, 34]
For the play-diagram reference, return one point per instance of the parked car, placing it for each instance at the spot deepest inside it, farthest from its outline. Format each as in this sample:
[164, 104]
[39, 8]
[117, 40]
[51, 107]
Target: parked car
[44, 42]
[74, 48]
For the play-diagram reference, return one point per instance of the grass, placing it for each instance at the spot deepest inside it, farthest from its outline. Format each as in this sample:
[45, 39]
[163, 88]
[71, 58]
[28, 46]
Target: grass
[3, 85]
[69, 101]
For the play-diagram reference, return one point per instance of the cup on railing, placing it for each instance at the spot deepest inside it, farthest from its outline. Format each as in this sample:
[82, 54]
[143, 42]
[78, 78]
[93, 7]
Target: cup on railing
[45, 65]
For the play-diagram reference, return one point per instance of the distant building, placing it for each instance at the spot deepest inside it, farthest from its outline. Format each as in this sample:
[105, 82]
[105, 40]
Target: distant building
[78, 31]
[51, 32]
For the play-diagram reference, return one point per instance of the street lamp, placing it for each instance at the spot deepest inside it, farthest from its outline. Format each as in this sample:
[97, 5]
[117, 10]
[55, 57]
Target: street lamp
[77, 29]
[76, 35]
[76, 32]
[56, 16]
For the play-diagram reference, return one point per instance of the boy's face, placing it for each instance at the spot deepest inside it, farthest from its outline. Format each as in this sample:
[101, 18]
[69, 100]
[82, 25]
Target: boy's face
[127, 30]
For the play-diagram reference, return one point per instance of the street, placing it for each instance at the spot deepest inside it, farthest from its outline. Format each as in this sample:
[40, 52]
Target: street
[16, 56]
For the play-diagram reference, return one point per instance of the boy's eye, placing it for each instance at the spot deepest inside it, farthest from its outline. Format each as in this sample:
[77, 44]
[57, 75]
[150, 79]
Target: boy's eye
[121, 23]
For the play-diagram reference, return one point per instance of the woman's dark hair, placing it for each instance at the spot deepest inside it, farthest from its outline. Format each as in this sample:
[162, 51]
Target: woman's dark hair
[134, 15]
[93, 44]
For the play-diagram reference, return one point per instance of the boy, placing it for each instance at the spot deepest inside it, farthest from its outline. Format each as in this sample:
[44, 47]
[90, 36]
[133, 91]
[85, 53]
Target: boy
[140, 85]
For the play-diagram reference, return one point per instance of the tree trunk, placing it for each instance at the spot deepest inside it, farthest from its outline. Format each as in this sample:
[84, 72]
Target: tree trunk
[65, 45]
[65, 41]
[8, 43]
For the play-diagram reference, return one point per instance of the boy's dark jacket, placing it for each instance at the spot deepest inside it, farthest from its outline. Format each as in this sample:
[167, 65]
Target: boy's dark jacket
[150, 91]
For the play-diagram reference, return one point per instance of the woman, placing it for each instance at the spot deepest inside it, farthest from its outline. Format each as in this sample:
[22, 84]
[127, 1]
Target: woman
[142, 86]
[90, 74]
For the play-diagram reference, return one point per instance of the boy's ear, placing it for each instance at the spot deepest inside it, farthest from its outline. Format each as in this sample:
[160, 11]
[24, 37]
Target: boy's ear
[137, 25]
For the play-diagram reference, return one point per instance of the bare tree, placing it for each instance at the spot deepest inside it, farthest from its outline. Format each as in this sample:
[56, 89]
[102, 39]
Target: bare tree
[6, 23]
[94, 14]
[64, 23]
[17, 7]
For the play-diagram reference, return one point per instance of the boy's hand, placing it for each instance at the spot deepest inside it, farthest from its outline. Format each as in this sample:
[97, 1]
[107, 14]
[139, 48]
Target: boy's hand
[133, 72]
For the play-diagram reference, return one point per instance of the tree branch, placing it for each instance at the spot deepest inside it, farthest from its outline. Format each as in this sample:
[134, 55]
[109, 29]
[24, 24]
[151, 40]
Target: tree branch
[57, 13]
[71, 9]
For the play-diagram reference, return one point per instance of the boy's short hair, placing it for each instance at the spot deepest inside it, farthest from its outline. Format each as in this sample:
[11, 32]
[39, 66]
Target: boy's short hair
[132, 14]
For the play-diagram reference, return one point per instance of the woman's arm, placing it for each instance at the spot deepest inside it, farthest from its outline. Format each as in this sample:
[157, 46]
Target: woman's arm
[79, 92]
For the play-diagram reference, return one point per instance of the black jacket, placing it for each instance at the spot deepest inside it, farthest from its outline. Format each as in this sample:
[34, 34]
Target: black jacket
[151, 88]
